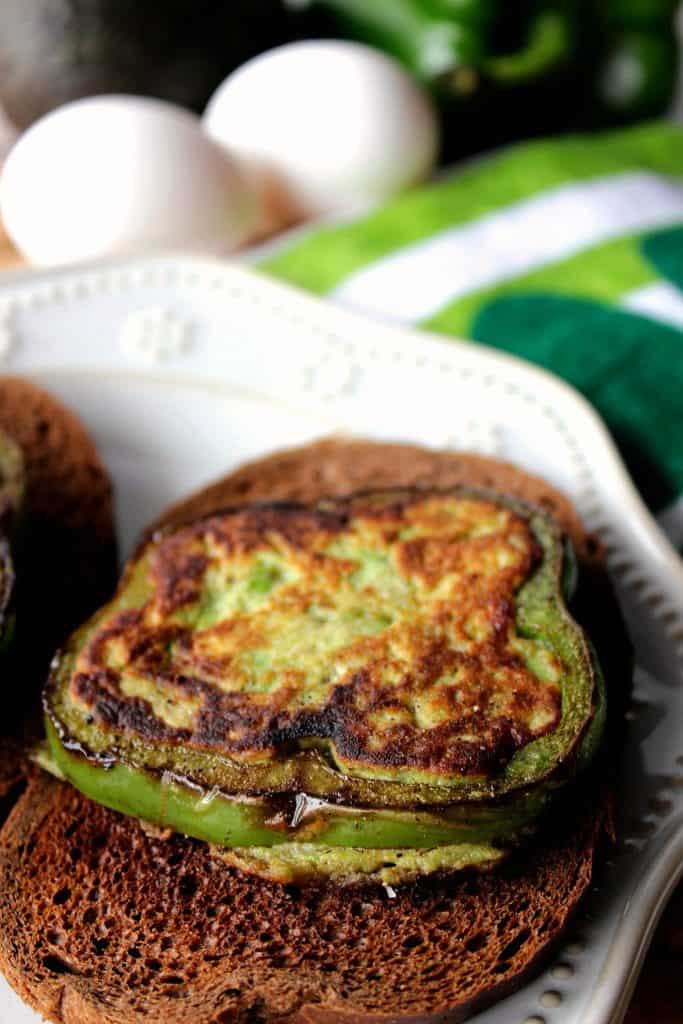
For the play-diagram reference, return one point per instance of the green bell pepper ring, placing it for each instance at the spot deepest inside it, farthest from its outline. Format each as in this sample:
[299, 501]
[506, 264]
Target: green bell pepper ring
[233, 820]
[430, 39]
[299, 797]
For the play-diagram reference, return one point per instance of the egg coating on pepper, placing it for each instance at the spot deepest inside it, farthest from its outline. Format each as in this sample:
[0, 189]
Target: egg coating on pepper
[380, 630]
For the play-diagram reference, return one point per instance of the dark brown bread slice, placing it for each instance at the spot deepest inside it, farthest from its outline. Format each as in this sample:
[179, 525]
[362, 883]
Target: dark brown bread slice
[103, 923]
[66, 562]
[337, 466]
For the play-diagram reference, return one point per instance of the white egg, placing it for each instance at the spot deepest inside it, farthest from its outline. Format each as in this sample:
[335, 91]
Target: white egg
[112, 175]
[337, 123]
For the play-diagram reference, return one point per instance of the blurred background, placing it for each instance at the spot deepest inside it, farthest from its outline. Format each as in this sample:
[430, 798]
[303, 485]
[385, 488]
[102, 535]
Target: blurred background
[492, 71]
[498, 70]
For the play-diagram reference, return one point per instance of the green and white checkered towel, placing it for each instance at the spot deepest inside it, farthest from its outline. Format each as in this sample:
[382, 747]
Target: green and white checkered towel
[568, 252]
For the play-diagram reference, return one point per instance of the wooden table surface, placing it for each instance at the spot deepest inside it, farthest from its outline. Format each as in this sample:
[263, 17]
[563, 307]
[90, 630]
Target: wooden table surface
[658, 997]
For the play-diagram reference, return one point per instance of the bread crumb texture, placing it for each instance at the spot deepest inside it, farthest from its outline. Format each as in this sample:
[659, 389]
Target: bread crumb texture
[104, 923]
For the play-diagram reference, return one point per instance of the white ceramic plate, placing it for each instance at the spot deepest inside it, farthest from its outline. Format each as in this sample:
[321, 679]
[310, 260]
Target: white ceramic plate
[183, 369]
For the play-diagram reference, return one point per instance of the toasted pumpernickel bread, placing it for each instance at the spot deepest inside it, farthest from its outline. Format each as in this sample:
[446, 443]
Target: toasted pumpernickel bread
[337, 466]
[66, 558]
[103, 921]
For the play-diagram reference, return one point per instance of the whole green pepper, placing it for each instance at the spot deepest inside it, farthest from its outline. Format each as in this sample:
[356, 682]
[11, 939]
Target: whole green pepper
[451, 45]
[12, 486]
[635, 59]
[548, 44]
[431, 37]
[635, 12]
[502, 71]
[482, 61]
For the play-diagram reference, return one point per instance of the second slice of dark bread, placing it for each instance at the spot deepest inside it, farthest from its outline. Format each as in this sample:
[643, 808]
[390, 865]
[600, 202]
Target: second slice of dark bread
[66, 558]
[101, 922]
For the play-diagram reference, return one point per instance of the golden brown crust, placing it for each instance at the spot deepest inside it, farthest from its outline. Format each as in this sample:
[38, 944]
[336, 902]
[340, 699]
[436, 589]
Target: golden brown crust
[432, 680]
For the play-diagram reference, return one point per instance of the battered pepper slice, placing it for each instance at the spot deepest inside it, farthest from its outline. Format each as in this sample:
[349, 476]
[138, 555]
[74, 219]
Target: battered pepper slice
[394, 669]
